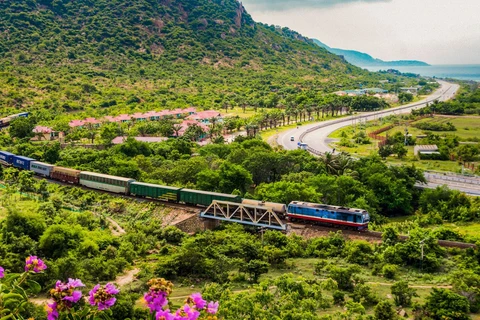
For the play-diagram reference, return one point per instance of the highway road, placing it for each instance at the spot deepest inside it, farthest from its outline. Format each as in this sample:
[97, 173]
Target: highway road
[316, 134]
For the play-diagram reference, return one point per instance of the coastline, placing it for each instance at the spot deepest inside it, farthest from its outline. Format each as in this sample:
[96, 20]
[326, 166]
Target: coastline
[453, 71]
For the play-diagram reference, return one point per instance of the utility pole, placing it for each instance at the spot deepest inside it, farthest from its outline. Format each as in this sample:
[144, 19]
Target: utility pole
[422, 244]
[262, 230]
[406, 133]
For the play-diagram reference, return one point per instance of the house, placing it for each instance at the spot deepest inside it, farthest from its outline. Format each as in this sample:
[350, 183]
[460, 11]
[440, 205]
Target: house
[123, 118]
[139, 116]
[76, 123]
[190, 110]
[47, 132]
[187, 123]
[92, 121]
[412, 90]
[205, 116]
[375, 90]
[425, 149]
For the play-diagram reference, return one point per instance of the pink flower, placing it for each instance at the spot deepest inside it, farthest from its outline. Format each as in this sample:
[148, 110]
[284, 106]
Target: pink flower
[64, 294]
[187, 313]
[103, 297]
[198, 300]
[156, 300]
[52, 312]
[2, 272]
[164, 315]
[74, 283]
[32, 263]
[212, 307]
[76, 295]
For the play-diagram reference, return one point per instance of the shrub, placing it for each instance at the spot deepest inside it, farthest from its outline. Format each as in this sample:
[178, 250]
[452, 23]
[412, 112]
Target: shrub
[389, 271]
[338, 297]
[403, 294]
[364, 295]
[384, 311]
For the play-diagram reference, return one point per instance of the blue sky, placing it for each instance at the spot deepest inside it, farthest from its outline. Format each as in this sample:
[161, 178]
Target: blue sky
[435, 31]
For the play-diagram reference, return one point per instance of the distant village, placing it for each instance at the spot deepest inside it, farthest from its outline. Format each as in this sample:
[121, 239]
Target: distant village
[190, 116]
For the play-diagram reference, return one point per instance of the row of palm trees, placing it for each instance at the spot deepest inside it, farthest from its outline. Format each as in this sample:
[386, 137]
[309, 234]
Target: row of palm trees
[284, 115]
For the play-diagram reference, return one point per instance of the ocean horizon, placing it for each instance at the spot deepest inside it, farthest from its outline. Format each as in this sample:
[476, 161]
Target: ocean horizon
[458, 71]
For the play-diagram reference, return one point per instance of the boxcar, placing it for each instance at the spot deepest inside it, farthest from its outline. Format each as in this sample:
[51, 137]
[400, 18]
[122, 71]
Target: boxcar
[330, 215]
[41, 168]
[276, 207]
[65, 174]
[4, 122]
[22, 162]
[154, 191]
[6, 157]
[105, 182]
[205, 198]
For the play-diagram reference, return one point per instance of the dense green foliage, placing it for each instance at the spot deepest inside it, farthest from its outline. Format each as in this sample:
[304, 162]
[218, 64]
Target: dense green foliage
[111, 57]
[448, 126]
[467, 101]
[252, 168]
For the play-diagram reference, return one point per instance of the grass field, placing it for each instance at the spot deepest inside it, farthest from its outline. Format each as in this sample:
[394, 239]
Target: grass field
[468, 129]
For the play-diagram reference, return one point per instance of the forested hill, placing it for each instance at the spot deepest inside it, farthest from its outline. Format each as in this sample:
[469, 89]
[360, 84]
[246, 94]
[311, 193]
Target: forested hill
[210, 46]
[200, 30]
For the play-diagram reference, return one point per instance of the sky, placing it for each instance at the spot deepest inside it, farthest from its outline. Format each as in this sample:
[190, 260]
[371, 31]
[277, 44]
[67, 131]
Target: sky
[434, 31]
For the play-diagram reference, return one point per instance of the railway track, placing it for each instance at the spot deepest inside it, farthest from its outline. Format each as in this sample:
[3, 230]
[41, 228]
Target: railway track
[309, 231]
[306, 230]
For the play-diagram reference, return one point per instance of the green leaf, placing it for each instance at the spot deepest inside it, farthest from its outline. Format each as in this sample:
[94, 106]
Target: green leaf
[34, 286]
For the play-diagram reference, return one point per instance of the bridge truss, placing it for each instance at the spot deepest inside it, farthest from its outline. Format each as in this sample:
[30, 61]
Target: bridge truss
[258, 216]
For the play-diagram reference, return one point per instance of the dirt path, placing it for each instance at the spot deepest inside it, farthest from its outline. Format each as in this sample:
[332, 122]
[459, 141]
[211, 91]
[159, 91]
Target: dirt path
[116, 229]
[127, 277]
[414, 286]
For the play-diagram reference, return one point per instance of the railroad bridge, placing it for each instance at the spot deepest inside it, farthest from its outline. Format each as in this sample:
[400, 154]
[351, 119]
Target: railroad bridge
[254, 215]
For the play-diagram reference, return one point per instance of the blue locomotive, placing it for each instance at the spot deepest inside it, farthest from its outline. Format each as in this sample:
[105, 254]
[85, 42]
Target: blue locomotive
[357, 219]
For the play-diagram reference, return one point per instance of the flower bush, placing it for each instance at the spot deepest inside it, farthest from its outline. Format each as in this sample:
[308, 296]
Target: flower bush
[195, 306]
[66, 297]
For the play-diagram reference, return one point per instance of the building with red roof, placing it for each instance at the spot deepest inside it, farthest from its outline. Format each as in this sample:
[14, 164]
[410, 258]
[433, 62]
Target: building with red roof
[205, 116]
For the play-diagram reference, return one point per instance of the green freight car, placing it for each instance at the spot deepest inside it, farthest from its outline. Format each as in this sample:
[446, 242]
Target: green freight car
[205, 198]
[154, 191]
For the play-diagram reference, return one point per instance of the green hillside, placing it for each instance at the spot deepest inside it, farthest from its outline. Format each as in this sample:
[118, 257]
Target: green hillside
[86, 54]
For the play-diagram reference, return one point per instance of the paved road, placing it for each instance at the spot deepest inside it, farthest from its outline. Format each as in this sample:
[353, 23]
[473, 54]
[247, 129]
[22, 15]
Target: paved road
[316, 134]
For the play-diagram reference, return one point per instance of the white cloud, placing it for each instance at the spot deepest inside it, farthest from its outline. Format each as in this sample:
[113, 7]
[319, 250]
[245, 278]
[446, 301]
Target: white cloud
[281, 5]
[435, 31]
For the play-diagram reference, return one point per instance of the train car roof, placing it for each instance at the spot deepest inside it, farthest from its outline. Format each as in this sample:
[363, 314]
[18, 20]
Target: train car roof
[44, 163]
[106, 176]
[25, 158]
[65, 169]
[211, 193]
[7, 153]
[155, 185]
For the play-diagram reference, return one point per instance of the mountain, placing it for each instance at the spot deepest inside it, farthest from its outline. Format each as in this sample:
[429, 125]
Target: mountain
[361, 59]
[93, 55]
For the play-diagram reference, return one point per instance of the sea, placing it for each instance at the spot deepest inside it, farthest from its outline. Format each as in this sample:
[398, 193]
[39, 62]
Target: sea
[459, 71]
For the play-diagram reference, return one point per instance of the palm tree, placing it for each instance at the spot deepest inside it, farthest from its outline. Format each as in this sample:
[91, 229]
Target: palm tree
[213, 121]
[344, 162]
[330, 161]
[177, 128]
[309, 109]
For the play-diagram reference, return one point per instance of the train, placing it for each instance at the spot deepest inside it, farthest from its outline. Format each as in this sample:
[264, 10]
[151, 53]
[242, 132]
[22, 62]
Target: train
[306, 212]
[5, 122]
